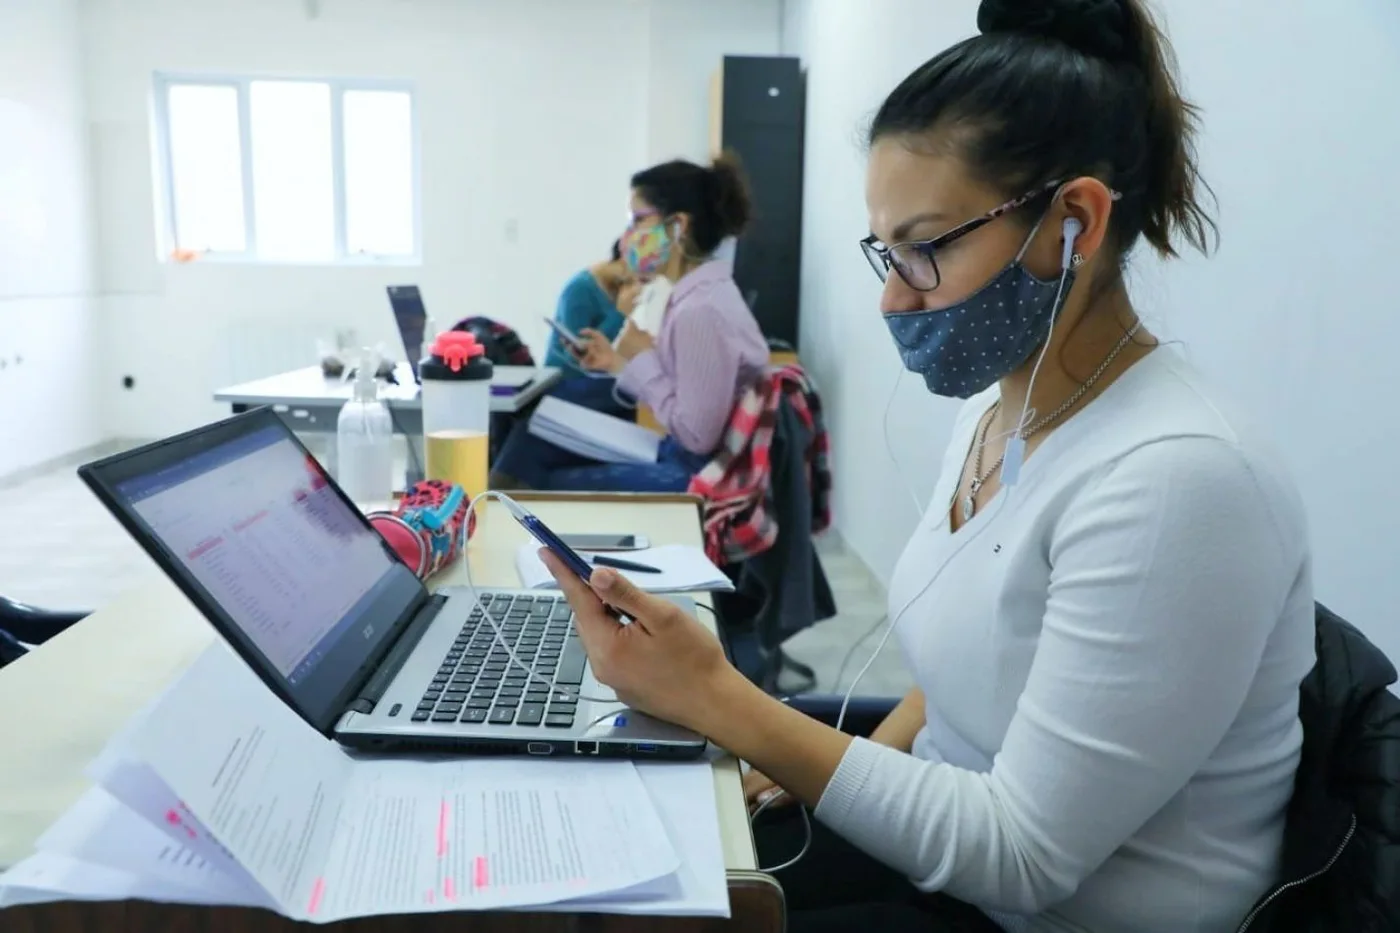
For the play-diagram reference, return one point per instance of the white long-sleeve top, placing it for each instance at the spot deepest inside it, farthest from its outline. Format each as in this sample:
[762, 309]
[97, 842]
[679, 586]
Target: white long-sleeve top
[1111, 652]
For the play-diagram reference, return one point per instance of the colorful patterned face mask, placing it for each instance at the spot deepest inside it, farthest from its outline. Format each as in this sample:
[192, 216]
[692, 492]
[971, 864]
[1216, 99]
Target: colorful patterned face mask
[647, 251]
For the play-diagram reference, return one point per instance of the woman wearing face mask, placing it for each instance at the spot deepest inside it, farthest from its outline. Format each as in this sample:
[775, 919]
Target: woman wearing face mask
[1107, 608]
[707, 349]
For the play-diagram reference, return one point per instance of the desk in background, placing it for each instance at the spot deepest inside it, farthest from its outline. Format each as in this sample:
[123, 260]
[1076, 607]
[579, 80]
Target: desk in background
[310, 401]
[71, 694]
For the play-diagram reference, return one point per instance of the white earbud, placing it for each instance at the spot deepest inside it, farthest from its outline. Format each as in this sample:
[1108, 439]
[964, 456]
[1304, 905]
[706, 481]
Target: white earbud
[1072, 229]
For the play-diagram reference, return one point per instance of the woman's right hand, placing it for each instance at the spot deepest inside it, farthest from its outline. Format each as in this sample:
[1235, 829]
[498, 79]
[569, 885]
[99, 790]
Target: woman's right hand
[598, 354]
[759, 787]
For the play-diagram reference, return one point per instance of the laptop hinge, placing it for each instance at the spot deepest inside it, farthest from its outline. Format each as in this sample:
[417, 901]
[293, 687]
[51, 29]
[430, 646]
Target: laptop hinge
[373, 690]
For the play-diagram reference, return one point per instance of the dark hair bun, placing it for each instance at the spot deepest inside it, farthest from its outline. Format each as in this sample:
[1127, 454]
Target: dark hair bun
[730, 194]
[1095, 27]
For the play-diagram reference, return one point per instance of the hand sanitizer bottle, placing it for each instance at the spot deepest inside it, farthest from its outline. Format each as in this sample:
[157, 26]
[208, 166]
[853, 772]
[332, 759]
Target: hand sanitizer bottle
[365, 439]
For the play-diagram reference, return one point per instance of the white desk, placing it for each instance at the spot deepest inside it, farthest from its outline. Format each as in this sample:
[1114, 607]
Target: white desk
[70, 695]
[311, 401]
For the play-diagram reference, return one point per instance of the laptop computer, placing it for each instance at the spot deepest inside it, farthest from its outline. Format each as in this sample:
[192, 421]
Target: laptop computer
[412, 319]
[265, 544]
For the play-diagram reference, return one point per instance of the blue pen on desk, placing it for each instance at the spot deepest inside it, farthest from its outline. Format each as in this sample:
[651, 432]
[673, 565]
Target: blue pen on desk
[616, 564]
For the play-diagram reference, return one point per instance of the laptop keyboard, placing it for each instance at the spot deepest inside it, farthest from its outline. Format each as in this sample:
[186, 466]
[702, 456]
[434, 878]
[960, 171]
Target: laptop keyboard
[478, 683]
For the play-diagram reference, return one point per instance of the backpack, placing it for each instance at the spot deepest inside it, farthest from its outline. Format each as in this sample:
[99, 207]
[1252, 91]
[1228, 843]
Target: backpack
[503, 345]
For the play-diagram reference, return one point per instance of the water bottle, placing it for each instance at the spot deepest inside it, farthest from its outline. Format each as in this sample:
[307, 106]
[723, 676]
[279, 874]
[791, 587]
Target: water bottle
[364, 435]
[456, 378]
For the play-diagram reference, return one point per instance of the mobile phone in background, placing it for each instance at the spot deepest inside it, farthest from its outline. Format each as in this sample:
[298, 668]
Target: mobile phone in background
[541, 533]
[570, 338]
[606, 542]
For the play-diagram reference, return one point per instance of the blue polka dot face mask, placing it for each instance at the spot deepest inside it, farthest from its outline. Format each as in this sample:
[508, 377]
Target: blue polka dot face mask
[964, 348]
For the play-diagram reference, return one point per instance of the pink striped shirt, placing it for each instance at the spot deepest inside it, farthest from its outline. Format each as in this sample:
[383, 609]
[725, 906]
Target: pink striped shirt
[708, 352]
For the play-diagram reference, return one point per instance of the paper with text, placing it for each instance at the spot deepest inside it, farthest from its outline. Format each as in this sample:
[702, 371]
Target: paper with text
[684, 795]
[100, 830]
[329, 836]
[438, 835]
[50, 876]
[263, 782]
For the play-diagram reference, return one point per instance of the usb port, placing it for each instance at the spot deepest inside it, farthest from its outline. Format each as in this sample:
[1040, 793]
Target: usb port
[585, 748]
[645, 748]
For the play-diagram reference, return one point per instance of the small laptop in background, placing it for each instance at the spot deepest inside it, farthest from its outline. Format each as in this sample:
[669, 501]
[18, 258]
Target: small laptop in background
[291, 574]
[412, 319]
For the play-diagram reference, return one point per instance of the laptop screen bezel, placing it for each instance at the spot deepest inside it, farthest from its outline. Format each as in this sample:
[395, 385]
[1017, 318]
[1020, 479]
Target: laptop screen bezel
[328, 689]
[406, 293]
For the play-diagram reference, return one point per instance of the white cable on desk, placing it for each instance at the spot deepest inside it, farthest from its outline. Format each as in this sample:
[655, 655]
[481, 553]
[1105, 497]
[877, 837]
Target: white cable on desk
[499, 637]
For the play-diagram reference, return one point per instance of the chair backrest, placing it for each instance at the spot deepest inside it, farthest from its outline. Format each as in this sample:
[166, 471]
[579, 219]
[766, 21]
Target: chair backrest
[1343, 825]
[21, 624]
[10, 648]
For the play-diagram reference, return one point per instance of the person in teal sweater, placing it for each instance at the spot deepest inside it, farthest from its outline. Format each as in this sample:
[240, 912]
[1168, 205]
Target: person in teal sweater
[590, 300]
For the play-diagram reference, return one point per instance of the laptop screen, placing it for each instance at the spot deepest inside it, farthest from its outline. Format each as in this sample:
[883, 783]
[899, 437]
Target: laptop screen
[290, 569]
[412, 319]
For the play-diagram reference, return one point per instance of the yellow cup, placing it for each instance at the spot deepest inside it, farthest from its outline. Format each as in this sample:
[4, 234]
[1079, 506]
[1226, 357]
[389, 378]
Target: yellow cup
[459, 457]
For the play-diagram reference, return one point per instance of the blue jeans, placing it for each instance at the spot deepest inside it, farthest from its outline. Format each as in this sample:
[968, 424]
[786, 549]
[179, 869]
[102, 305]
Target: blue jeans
[539, 464]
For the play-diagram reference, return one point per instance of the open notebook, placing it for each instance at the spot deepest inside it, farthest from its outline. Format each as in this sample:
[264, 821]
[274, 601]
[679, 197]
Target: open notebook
[682, 569]
[593, 434]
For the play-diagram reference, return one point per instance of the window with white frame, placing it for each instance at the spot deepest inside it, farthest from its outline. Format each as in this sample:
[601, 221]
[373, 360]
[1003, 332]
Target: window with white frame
[288, 170]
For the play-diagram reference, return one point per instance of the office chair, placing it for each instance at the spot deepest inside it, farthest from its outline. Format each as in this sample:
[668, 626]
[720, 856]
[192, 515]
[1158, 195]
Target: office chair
[22, 625]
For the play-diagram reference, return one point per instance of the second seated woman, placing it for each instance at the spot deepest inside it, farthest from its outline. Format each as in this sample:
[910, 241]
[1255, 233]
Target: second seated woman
[707, 351]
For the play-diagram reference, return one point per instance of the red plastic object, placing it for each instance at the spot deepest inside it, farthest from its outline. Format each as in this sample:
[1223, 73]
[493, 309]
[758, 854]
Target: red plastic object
[456, 348]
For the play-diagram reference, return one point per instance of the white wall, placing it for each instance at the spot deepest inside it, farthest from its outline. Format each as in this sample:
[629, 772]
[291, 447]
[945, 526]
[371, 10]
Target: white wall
[46, 304]
[532, 117]
[1297, 317]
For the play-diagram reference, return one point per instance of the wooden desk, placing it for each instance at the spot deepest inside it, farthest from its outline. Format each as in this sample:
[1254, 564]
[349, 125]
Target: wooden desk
[73, 693]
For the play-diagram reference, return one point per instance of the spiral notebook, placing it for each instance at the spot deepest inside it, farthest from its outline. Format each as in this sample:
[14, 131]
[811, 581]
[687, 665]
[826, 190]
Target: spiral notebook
[593, 434]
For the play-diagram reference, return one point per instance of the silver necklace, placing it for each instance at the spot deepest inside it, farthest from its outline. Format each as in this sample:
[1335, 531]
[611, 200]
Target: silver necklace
[969, 502]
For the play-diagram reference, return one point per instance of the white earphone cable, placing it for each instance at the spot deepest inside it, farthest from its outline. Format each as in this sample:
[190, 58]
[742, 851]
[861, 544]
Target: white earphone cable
[971, 535]
[889, 446]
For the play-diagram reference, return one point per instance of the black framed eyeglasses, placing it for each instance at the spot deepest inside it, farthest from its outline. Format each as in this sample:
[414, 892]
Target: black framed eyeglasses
[914, 259]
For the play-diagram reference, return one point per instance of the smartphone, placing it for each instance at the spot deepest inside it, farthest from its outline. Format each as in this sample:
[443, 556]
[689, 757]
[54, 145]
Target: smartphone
[569, 337]
[606, 542]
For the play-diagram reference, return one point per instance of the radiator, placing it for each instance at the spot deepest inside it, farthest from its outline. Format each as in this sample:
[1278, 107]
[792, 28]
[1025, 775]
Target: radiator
[260, 347]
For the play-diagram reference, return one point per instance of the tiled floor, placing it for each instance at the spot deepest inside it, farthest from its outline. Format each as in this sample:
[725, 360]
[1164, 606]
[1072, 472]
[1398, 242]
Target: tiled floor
[62, 550]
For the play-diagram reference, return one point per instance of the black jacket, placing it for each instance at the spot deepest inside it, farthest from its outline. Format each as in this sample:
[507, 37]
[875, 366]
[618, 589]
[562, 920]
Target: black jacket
[1341, 851]
[786, 584]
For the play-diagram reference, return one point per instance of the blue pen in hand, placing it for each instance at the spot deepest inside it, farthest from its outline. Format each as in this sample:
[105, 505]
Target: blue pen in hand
[616, 564]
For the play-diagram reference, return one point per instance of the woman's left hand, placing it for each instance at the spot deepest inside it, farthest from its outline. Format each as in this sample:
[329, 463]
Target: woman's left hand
[634, 340]
[664, 662]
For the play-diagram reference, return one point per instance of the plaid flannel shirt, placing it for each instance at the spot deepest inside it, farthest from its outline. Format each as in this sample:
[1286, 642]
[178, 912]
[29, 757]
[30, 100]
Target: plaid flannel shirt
[738, 520]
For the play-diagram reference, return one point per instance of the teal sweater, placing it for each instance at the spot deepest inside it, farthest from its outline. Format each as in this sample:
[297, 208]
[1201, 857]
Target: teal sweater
[582, 304]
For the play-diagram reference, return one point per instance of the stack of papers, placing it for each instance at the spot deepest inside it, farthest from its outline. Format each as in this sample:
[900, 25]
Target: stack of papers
[593, 434]
[682, 569]
[219, 794]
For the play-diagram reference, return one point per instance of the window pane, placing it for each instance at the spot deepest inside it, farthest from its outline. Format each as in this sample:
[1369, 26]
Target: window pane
[379, 173]
[293, 193]
[206, 167]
